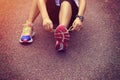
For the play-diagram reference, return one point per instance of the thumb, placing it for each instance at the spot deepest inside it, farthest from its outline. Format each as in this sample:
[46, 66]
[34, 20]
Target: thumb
[51, 27]
[73, 27]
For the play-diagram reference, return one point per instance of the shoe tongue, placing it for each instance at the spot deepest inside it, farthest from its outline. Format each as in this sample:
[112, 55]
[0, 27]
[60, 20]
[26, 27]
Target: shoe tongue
[27, 30]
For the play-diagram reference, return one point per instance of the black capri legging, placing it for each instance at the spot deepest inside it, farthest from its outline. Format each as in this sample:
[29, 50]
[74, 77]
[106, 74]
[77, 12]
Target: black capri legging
[53, 11]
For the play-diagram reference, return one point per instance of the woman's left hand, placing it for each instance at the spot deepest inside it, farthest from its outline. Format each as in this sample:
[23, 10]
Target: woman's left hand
[77, 24]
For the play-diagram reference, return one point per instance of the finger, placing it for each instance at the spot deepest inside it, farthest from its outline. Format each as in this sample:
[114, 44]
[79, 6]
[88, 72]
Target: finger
[51, 27]
[79, 28]
[73, 27]
[47, 27]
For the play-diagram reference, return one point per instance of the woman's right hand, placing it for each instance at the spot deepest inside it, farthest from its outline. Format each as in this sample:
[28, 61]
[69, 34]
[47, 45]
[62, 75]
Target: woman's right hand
[48, 24]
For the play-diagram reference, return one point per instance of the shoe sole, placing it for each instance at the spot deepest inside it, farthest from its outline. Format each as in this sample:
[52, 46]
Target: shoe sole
[61, 34]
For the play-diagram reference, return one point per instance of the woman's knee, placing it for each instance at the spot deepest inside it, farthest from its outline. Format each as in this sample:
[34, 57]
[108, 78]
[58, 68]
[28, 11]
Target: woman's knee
[66, 4]
[65, 1]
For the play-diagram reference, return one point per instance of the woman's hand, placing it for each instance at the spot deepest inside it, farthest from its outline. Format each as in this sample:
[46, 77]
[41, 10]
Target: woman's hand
[47, 24]
[77, 24]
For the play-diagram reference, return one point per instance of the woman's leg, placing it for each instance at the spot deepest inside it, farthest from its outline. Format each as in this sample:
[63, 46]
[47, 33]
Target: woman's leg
[26, 36]
[61, 34]
[65, 13]
[34, 11]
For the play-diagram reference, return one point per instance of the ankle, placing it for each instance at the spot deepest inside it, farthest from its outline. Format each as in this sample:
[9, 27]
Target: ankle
[28, 23]
[62, 25]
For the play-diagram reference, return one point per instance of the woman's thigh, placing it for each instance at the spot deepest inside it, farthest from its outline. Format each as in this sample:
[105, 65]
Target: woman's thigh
[53, 10]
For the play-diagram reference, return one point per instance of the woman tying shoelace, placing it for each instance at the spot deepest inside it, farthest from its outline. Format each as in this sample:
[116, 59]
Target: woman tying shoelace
[63, 13]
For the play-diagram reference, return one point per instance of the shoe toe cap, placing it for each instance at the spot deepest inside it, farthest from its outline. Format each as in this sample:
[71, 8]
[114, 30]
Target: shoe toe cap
[25, 38]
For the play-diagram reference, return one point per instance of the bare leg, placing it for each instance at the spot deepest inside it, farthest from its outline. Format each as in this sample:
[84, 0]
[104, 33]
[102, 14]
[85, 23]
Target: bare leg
[65, 13]
[34, 11]
[26, 36]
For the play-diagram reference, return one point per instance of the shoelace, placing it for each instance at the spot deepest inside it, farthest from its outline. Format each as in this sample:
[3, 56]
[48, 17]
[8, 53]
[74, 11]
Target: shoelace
[26, 30]
[27, 27]
[64, 37]
[70, 29]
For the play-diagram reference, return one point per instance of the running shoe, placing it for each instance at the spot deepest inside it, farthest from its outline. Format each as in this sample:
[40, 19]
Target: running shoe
[27, 34]
[62, 36]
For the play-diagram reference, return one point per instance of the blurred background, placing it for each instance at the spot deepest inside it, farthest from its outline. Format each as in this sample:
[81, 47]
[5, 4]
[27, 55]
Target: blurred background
[93, 53]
